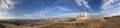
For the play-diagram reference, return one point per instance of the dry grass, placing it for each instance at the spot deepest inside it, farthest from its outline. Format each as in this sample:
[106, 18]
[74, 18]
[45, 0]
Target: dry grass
[109, 22]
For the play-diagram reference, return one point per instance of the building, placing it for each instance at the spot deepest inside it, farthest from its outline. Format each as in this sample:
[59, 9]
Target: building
[81, 18]
[85, 16]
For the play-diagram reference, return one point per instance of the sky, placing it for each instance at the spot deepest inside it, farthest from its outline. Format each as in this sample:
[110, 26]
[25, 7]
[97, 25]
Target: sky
[37, 9]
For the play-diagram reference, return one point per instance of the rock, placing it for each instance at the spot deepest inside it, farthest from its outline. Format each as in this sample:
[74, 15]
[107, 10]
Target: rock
[2, 26]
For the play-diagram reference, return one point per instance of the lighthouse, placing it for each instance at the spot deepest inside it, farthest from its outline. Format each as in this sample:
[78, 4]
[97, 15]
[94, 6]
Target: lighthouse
[82, 17]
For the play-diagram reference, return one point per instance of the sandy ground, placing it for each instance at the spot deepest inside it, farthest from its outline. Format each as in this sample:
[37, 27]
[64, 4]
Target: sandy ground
[109, 22]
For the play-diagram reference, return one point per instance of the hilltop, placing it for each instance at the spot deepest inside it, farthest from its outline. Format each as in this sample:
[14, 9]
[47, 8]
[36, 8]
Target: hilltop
[108, 22]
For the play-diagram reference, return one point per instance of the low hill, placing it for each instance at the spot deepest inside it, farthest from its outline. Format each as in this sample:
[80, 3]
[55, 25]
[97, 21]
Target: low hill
[108, 22]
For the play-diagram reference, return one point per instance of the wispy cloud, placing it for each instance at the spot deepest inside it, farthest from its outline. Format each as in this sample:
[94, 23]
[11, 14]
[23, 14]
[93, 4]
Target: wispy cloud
[66, 15]
[75, 14]
[6, 15]
[51, 9]
[83, 3]
[63, 8]
[111, 12]
[7, 4]
[25, 16]
[110, 8]
[107, 4]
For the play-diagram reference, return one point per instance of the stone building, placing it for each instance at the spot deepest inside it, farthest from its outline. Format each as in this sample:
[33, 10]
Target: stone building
[81, 18]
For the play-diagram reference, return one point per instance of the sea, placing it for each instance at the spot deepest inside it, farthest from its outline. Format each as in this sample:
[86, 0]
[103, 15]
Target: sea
[27, 20]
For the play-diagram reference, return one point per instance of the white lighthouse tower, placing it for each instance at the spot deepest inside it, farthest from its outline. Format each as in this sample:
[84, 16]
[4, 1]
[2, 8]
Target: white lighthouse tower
[82, 17]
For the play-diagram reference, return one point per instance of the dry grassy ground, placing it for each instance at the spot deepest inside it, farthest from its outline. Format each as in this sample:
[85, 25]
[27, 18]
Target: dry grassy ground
[109, 22]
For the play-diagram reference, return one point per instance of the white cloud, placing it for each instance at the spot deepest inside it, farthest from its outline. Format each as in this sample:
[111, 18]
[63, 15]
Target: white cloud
[3, 15]
[75, 14]
[51, 9]
[107, 4]
[7, 4]
[110, 8]
[25, 16]
[83, 3]
[63, 8]
[67, 15]
[113, 12]
[119, 3]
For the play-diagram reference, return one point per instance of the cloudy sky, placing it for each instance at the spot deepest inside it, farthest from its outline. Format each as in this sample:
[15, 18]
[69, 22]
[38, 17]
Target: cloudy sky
[36, 9]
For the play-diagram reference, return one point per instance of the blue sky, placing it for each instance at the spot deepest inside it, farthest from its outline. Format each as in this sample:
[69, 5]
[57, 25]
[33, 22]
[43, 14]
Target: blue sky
[36, 9]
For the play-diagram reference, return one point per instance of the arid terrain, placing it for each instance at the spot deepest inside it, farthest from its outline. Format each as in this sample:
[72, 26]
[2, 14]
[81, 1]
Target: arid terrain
[108, 22]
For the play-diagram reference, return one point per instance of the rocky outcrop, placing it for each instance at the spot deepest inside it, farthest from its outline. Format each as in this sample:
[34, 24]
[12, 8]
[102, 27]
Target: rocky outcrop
[2, 26]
